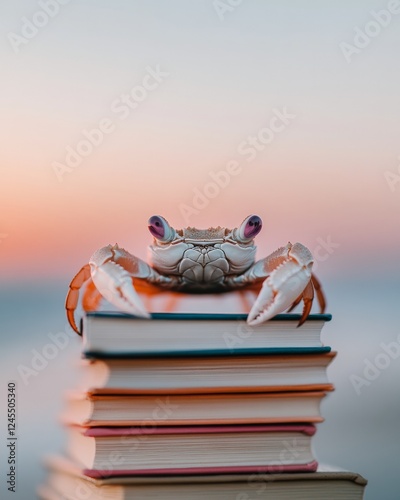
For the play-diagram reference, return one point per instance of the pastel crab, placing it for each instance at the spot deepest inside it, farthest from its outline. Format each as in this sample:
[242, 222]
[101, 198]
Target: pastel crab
[194, 260]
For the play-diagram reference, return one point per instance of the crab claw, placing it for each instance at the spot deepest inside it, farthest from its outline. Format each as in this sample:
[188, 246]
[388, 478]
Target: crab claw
[112, 269]
[289, 272]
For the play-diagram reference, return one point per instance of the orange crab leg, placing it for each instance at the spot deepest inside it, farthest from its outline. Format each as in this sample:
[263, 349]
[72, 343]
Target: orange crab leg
[150, 290]
[71, 301]
[91, 297]
[320, 293]
[296, 302]
[308, 297]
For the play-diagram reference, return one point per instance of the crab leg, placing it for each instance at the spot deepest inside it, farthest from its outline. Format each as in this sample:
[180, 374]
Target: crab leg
[308, 297]
[288, 273]
[113, 270]
[296, 302]
[320, 293]
[71, 301]
[91, 297]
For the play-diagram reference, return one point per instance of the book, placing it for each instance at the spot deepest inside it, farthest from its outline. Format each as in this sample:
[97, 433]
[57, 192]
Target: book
[171, 333]
[152, 450]
[193, 374]
[187, 409]
[66, 481]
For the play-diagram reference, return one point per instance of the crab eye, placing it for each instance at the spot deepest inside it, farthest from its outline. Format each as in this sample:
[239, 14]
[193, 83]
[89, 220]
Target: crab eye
[160, 228]
[250, 227]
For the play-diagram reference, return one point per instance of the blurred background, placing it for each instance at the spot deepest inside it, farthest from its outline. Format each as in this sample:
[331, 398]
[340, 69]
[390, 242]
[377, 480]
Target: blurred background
[203, 112]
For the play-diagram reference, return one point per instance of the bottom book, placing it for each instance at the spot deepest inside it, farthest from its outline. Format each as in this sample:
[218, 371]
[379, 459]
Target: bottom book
[67, 482]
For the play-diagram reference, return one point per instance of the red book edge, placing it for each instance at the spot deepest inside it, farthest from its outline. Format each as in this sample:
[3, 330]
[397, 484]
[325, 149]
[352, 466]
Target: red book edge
[308, 429]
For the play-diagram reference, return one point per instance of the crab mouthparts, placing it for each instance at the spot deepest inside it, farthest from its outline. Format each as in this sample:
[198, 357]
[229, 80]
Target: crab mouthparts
[203, 242]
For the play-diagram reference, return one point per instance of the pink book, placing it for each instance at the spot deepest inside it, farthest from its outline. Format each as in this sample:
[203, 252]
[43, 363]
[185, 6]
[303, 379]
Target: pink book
[308, 429]
[188, 450]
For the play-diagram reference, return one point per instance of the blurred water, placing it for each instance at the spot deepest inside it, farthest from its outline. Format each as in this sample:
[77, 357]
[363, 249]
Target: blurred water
[28, 315]
[360, 432]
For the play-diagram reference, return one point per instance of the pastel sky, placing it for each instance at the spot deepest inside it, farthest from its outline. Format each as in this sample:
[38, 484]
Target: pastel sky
[218, 83]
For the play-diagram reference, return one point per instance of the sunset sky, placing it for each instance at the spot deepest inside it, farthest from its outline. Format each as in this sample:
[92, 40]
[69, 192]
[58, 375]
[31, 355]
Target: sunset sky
[322, 175]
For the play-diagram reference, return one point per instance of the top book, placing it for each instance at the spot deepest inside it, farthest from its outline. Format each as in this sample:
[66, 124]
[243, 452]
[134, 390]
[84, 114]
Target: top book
[117, 334]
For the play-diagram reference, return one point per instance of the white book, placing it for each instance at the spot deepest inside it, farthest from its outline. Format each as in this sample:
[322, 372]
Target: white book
[116, 333]
[153, 450]
[192, 409]
[66, 481]
[206, 374]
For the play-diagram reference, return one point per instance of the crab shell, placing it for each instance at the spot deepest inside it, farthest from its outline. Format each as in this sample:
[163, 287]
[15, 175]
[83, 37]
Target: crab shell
[203, 259]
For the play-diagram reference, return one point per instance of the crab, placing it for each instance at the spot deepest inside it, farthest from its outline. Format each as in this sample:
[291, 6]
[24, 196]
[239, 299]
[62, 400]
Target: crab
[194, 260]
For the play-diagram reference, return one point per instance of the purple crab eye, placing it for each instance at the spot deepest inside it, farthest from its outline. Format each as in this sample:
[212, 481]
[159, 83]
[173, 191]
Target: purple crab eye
[160, 228]
[156, 226]
[250, 227]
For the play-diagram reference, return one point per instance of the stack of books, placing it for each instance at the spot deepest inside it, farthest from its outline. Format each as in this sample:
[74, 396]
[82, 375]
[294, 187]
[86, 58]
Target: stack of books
[195, 406]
